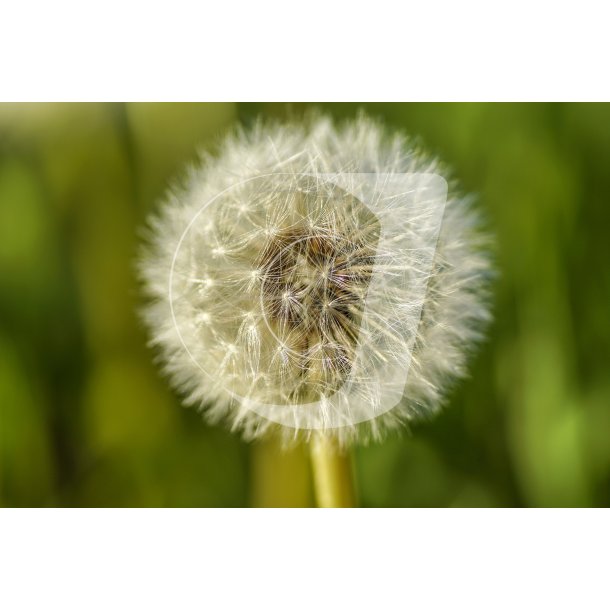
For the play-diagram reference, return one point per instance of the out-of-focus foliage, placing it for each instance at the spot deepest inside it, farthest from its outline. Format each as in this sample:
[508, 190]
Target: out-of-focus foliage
[86, 419]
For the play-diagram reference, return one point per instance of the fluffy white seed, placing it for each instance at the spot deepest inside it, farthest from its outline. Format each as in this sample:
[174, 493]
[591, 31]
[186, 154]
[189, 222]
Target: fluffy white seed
[258, 272]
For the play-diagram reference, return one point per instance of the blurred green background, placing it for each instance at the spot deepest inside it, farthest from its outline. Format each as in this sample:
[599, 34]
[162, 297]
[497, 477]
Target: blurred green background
[86, 419]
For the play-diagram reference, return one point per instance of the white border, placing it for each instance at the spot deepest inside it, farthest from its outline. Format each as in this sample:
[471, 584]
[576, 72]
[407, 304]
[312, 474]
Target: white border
[186, 50]
[310, 559]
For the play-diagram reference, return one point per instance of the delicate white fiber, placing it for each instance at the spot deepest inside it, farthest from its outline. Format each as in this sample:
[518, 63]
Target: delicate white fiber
[258, 271]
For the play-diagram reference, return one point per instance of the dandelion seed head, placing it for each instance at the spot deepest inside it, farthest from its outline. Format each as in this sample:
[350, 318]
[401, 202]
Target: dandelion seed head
[259, 272]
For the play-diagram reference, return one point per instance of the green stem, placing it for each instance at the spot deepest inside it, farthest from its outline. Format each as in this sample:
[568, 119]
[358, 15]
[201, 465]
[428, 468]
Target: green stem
[332, 473]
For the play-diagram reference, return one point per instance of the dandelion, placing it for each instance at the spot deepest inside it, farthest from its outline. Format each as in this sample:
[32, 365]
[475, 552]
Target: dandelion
[295, 286]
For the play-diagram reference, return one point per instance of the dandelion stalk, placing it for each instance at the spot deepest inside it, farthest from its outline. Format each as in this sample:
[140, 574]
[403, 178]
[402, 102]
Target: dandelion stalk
[333, 476]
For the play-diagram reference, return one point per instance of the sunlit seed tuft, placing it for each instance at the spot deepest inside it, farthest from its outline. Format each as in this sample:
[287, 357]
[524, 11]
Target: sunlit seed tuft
[270, 289]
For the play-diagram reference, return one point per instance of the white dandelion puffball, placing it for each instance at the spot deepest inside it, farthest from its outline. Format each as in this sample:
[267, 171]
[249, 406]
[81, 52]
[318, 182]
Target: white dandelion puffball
[313, 277]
